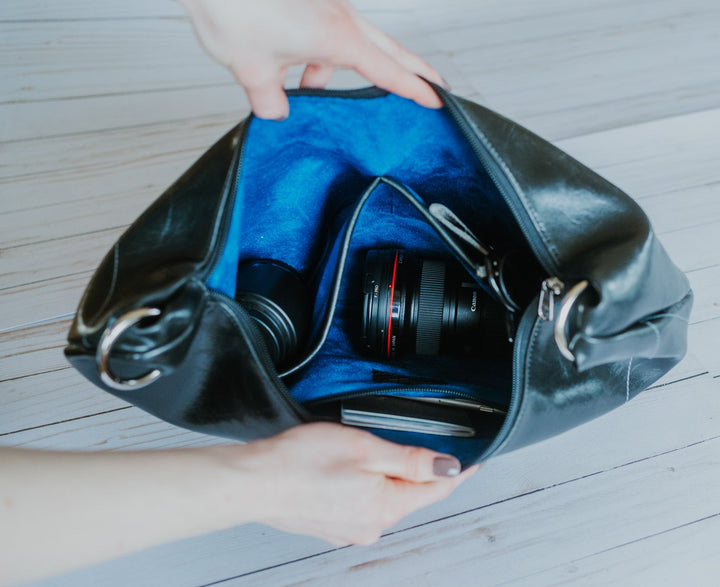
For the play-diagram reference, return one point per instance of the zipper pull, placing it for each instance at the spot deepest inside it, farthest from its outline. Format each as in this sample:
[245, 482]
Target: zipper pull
[551, 288]
[449, 220]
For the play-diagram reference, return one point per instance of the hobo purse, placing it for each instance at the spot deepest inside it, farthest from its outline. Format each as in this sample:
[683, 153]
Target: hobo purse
[443, 278]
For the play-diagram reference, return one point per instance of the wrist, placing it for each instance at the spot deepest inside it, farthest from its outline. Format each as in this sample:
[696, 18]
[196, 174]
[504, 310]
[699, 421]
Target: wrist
[239, 483]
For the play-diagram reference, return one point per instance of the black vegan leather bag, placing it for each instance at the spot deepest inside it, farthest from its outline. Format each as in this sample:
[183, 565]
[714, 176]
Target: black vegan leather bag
[373, 220]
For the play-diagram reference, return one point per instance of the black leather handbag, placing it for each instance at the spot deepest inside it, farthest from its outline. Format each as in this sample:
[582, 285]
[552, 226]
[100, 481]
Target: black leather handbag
[443, 278]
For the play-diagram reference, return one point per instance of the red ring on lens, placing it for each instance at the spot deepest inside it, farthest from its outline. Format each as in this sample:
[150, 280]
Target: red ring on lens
[392, 295]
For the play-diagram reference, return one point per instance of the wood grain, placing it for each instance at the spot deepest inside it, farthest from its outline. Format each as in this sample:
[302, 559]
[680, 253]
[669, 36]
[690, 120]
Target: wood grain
[515, 540]
[607, 446]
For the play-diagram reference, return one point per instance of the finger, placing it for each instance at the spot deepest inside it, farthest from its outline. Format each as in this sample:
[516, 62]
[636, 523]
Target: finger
[316, 76]
[406, 58]
[385, 72]
[413, 496]
[266, 94]
[411, 463]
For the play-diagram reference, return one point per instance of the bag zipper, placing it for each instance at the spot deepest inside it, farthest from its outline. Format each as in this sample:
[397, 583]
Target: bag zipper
[420, 389]
[221, 237]
[499, 177]
[551, 288]
[522, 340]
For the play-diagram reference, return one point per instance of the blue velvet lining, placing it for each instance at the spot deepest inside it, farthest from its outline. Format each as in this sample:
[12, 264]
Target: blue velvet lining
[387, 221]
[299, 176]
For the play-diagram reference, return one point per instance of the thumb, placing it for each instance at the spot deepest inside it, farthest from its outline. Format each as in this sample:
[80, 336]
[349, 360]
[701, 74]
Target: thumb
[410, 463]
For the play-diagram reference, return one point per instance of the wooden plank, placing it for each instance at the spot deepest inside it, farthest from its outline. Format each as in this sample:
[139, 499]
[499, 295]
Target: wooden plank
[473, 28]
[53, 223]
[56, 258]
[50, 60]
[616, 67]
[87, 114]
[682, 246]
[705, 342]
[141, 151]
[686, 555]
[514, 539]
[579, 120]
[454, 15]
[120, 428]
[706, 287]
[682, 209]
[38, 10]
[31, 350]
[55, 299]
[654, 158]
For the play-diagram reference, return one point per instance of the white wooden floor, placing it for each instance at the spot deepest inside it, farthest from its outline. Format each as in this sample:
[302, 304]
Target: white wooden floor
[104, 104]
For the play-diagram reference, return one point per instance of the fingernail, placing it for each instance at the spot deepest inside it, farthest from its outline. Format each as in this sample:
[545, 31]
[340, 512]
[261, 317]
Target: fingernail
[446, 467]
[280, 118]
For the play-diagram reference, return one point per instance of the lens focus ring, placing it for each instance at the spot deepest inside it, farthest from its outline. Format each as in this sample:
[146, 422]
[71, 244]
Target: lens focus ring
[430, 308]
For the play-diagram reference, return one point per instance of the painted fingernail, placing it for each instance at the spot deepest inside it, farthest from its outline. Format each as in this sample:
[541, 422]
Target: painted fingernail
[446, 467]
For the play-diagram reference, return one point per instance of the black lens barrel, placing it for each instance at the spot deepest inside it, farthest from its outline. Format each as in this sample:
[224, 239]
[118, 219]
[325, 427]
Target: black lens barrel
[426, 307]
[431, 301]
[275, 295]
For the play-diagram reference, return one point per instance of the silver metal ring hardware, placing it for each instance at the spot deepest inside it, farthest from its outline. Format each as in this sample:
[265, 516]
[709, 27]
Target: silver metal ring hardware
[111, 334]
[566, 307]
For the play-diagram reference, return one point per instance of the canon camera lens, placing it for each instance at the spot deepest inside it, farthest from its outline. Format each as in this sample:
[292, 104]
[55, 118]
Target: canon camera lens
[426, 307]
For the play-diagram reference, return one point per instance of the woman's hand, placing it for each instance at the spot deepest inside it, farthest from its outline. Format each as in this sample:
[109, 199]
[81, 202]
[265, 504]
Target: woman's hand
[259, 39]
[342, 484]
[62, 510]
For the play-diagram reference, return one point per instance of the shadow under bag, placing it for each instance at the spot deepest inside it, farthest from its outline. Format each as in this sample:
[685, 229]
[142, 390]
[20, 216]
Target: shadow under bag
[443, 278]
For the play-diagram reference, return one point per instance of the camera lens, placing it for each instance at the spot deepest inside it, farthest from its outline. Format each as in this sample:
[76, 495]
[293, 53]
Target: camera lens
[277, 298]
[426, 307]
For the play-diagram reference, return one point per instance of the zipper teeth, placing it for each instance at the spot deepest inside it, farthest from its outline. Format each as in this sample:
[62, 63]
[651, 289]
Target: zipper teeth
[521, 342]
[449, 393]
[231, 303]
[356, 93]
[228, 209]
[260, 347]
[502, 183]
[527, 227]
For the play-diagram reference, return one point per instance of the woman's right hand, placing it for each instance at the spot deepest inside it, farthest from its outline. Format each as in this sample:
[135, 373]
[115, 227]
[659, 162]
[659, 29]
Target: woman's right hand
[341, 484]
[258, 40]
